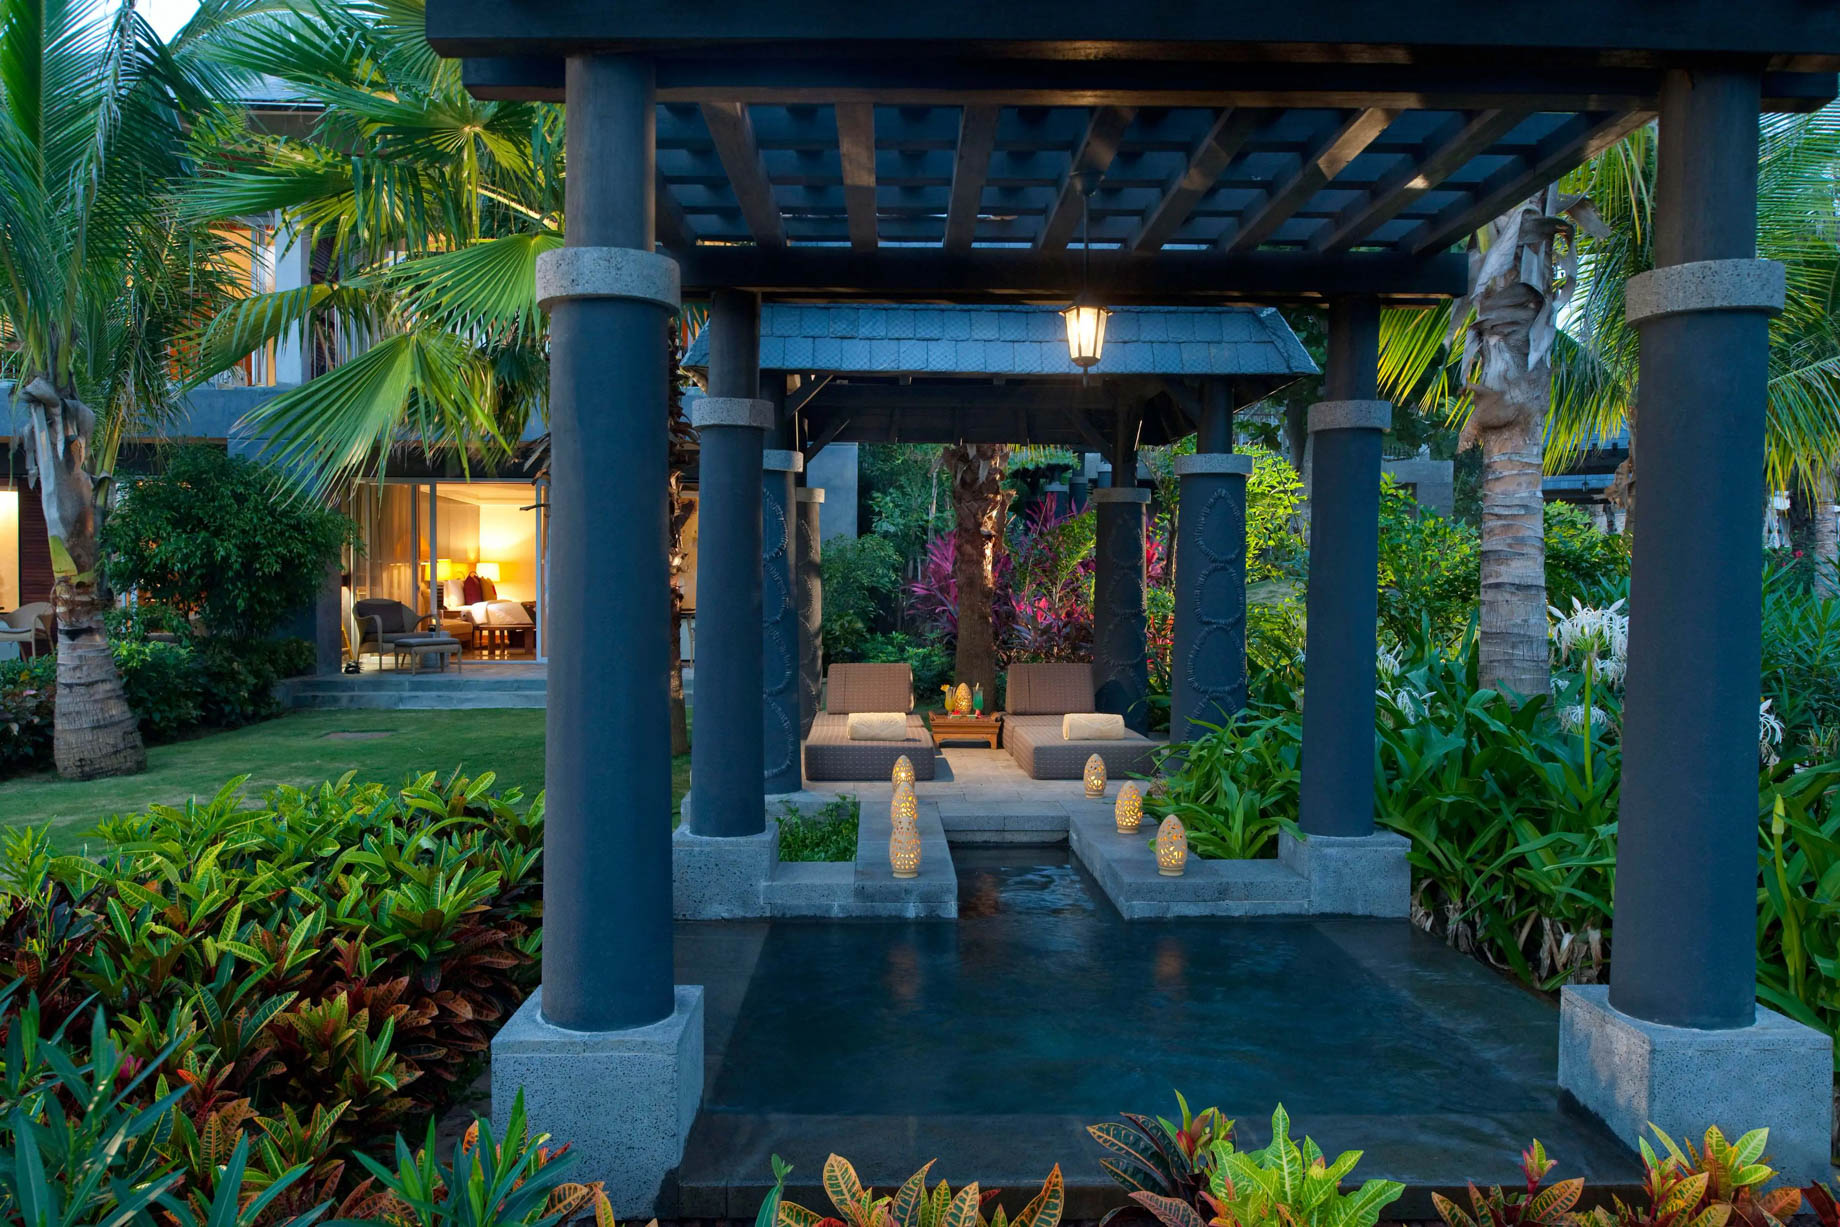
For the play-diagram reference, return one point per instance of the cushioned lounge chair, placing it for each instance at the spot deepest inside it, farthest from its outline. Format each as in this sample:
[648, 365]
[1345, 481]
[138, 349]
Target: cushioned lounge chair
[829, 752]
[382, 622]
[1037, 697]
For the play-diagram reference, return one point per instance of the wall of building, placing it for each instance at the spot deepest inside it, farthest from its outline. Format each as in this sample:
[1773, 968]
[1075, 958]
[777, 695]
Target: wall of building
[508, 537]
[834, 471]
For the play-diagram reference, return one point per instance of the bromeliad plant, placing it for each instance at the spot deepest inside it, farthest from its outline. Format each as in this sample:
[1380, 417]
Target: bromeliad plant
[912, 1205]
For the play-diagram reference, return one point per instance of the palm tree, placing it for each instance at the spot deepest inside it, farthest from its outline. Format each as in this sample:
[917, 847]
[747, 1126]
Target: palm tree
[1593, 355]
[100, 276]
[429, 209]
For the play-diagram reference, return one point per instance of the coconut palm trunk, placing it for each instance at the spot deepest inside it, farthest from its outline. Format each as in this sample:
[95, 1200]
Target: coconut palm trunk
[1826, 535]
[980, 509]
[95, 733]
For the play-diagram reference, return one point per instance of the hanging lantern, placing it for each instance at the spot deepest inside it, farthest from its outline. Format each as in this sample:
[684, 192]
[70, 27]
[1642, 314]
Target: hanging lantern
[904, 848]
[903, 771]
[1095, 776]
[1171, 847]
[1129, 808]
[1085, 331]
[904, 805]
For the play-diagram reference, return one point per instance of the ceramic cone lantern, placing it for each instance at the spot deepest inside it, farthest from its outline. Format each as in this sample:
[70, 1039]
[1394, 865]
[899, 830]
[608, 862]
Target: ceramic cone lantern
[1171, 847]
[903, 771]
[904, 805]
[1095, 776]
[961, 702]
[1128, 811]
[904, 848]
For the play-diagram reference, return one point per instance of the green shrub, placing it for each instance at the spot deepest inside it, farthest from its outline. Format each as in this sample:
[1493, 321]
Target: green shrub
[931, 661]
[26, 704]
[165, 685]
[828, 834]
[319, 967]
[1579, 559]
[224, 538]
[861, 577]
[1430, 567]
[239, 676]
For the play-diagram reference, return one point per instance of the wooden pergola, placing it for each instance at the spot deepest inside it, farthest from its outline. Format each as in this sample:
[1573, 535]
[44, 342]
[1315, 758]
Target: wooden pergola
[1328, 151]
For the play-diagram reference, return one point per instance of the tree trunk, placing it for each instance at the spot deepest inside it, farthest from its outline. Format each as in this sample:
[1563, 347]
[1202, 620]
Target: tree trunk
[980, 508]
[1826, 536]
[94, 733]
[1623, 485]
[1507, 368]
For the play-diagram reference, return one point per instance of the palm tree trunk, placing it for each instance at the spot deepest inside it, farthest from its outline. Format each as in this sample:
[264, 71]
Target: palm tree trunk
[95, 733]
[1513, 644]
[980, 508]
[1826, 536]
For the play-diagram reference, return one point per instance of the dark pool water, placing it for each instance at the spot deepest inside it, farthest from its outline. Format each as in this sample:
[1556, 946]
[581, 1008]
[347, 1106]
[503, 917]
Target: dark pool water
[1041, 1000]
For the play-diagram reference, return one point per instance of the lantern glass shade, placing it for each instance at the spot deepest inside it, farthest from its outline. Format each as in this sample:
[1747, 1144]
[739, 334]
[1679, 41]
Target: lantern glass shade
[1128, 810]
[1171, 847]
[1085, 331]
[1095, 776]
[905, 805]
[904, 848]
[903, 771]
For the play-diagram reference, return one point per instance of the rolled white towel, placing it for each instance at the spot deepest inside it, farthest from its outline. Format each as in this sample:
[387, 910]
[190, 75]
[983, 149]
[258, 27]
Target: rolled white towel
[878, 726]
[1092, 726]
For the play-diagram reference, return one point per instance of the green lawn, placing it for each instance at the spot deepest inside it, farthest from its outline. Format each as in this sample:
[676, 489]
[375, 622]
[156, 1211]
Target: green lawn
[302, 748]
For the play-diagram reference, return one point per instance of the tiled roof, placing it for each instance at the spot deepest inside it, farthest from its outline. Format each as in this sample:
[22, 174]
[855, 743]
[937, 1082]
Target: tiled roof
[1002, 340]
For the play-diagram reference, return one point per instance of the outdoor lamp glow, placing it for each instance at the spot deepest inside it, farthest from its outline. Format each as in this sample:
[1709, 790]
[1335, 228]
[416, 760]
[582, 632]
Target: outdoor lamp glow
[903, 771]
[904, 848]
[1095, 776]
[1171, 847]
[1085, 331]
[904, 805]
[1128, 811]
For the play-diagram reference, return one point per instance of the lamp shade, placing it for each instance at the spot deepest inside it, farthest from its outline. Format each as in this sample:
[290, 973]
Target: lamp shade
[904, 848]
[1128, 810]
[903, 771]
[1171, 847]
[1085, 331]
[1095, 776]
[486, 570]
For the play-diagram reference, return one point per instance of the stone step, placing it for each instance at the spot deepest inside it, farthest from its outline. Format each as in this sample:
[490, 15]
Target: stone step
[424, 681]
[409, 700]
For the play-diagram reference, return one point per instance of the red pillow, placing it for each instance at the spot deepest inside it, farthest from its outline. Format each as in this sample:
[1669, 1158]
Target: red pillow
[470, 589]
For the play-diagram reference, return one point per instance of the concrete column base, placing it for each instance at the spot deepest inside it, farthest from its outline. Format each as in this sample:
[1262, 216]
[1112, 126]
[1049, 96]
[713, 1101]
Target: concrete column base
[721, 878]
[623, 1100]
[1352, 875]
[1775, 1074]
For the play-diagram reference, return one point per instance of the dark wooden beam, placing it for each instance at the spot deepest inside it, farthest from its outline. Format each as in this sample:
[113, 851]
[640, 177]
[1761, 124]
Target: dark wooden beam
[1095, 153]
[1468, 136]
[1206, 161]
[977, 136]
[827, 436]
[733, 133]
[1005, 274]
[1300, 30]
[675, 233]
[1340, 146]
[1581, 138]
[856, 147]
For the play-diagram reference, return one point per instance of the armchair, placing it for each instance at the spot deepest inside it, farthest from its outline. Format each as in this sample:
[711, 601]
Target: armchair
[27, 625]
[382, 622]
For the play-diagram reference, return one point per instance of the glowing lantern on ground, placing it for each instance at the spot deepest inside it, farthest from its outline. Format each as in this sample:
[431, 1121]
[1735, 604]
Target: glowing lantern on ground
[904, 848]
[1171, 847]
[904, 805]
[903, 771]
[1095, 776]
[1129, 808]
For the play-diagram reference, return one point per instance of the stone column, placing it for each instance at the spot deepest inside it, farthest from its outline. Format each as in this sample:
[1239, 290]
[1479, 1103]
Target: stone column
[1352, 870]
[607, 1015]
[726, 799]
[808, 576]
[779, 696]
[1121, 669]
[1208, 665]
[1678, 1039]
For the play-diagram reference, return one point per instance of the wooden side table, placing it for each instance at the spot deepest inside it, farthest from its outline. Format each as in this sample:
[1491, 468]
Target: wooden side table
[986, 728]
